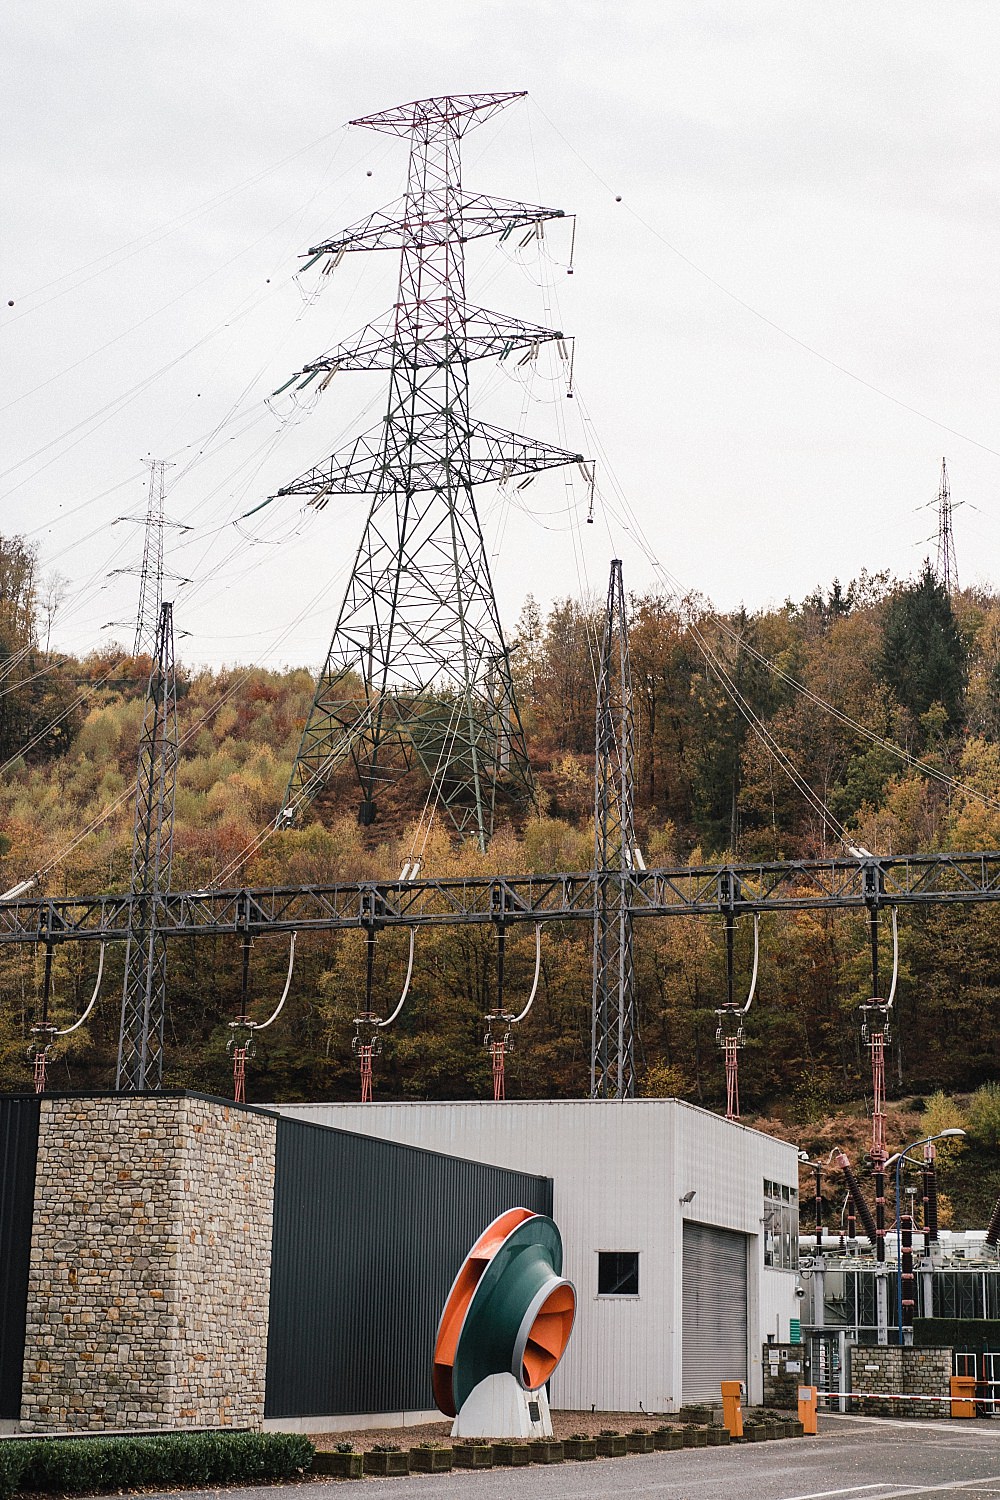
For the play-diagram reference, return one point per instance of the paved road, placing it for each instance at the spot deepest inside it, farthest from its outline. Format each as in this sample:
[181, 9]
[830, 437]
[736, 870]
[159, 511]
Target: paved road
[852, 1459]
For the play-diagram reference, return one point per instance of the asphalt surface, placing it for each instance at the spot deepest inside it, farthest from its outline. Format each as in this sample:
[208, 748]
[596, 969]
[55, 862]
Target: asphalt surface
[851, 1459]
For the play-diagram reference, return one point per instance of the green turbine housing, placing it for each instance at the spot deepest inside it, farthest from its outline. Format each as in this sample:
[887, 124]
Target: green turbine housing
[518, 1310]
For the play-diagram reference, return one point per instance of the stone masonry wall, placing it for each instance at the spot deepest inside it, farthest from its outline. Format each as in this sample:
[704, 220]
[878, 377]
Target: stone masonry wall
[900, 1371]
[781, 1384]
[150, 1265]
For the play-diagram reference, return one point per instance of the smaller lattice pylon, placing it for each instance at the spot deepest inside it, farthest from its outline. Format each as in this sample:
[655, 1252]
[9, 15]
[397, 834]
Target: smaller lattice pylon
[945, 563]
[150, 572]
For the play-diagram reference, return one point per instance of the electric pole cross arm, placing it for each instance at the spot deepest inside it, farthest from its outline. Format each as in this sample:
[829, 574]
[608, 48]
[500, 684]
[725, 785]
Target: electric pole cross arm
[483, 333]
[456, 110]
[469, 216]
[363, 467]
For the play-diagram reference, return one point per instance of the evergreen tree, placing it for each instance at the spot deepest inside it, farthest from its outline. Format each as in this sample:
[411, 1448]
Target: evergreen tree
[923, 657]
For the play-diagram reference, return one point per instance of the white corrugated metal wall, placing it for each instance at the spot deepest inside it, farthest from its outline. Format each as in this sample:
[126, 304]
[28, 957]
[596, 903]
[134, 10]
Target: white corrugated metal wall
[620, 1169]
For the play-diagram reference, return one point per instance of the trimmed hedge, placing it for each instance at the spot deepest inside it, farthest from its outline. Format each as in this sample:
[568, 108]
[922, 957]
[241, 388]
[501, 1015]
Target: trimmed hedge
[85, 1464]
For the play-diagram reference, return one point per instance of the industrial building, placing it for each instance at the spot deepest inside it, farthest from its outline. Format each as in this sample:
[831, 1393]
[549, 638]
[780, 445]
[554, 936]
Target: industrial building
[680, 1232]
[171, 1260]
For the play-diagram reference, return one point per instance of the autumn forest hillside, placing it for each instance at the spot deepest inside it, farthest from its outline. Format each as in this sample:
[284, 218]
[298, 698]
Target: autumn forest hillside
[868, 713]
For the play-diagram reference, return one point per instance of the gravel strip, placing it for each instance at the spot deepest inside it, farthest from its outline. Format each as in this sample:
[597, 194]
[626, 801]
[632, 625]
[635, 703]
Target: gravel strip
[564, 1424]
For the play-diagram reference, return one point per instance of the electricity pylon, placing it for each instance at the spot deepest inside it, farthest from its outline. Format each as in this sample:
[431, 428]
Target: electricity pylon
[144, 994]
[418, 666]
[150, 572]
[946, 567]
[614, 1027]
[151, 576]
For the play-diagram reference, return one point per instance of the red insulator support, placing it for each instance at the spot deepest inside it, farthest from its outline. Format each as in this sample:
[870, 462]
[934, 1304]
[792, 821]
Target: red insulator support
[730, 1049]
[40, 1063]
[365, 1055]
[240, 1075]
[498, 1051]
[877, 1045]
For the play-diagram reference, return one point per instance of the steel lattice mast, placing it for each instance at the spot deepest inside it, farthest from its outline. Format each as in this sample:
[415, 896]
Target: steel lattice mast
[946, 567]
[418, 667]
[614, 1033]
[140, 1039]
[151, 574]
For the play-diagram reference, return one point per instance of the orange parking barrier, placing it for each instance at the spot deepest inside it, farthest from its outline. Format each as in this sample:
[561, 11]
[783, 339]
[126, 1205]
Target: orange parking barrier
[732, 1408]
[963, 1395]
[807, 1409]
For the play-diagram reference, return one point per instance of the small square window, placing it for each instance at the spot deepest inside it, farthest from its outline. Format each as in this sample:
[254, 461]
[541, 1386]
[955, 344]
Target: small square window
[618, 1273]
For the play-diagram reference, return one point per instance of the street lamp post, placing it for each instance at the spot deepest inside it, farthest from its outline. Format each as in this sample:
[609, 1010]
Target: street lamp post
[899, 1158]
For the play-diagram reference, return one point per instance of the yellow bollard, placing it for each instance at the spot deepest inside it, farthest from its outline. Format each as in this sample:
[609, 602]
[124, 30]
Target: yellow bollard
[732, 1409]
[807, 1409]
[963, 1395]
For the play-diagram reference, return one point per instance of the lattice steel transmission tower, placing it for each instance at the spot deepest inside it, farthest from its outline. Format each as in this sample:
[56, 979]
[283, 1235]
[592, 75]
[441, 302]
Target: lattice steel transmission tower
[614, 1034]
[144, 994]
[418, 667]
[946, 566]
[150, 572]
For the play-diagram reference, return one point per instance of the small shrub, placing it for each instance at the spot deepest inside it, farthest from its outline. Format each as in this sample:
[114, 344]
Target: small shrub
[74, 1465]
[386, 1448]
[343, 1448]
[12, 1462]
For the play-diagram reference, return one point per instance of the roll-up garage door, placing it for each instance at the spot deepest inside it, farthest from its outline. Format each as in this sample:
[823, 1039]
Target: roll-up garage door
[715, 1311]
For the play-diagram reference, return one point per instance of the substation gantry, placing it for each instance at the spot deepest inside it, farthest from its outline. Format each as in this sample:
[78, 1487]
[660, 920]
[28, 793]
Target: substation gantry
[867, 885]
[959, 879]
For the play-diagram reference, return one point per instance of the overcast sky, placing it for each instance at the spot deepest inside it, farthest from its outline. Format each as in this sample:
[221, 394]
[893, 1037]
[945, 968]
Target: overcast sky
[835, 168]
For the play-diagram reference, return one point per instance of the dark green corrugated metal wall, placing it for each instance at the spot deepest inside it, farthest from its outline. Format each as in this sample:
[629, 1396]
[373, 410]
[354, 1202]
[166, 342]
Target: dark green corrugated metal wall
[18, 1152]
[368, 1237]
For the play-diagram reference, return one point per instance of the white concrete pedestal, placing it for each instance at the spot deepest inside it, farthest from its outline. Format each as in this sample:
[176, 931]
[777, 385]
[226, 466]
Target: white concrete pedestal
[497, 1407]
